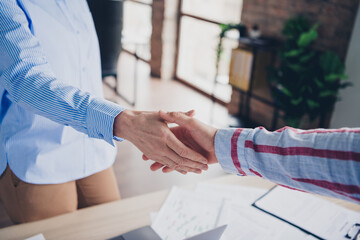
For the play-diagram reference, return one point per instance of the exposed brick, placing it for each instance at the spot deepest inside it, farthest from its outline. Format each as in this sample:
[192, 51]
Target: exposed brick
[336, 18]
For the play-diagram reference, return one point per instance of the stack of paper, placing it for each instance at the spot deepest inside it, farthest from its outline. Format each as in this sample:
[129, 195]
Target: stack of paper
[187, 213]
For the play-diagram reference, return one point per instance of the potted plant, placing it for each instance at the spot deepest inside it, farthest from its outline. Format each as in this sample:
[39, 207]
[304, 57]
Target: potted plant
[307, 81]
[224, 29]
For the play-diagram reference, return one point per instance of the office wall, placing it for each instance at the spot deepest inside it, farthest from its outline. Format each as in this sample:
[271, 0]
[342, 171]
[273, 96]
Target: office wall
[336, 18]
[347, 111]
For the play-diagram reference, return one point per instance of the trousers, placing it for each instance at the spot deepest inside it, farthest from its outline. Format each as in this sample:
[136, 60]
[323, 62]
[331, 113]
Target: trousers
[26, 202]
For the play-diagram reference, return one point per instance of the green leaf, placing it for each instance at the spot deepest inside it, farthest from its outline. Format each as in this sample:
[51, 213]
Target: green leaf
[285, 91]
[328, 93]
[307, 57]
[293, 53]
[307, 38]
[318, 83]
[295, 26]
[296, 101]
[330, 63]
[335, 77]
[295, 67]
[312, 104]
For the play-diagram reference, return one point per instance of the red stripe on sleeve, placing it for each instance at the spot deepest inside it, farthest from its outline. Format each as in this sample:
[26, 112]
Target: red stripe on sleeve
[234, 151]
[255, 172]
[291, 188]
[298, 131]
[335, 187]
[304, 151]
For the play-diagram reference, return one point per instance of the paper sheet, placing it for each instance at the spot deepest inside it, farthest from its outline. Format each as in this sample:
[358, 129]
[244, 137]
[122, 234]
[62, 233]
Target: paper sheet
[185, 214]
[36, 237]
[318, 216]
[153, 216]
[242, 195]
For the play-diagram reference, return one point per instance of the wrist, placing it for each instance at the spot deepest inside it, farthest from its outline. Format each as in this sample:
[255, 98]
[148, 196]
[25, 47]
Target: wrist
[123, 123]
[213, 145]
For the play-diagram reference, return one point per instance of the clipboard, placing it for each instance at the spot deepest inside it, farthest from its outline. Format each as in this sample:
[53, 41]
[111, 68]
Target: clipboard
[353, 232]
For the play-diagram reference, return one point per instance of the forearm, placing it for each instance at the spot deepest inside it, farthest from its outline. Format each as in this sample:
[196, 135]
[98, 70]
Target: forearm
[29, 81]
[317, 161]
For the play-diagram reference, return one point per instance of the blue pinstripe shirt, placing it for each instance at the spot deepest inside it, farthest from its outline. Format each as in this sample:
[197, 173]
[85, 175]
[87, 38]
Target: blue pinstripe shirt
[53, 118]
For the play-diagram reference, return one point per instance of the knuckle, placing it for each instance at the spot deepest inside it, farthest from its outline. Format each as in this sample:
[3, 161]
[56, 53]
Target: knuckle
[173, 114]
[171, 165]
[181, 162]
[183, 152]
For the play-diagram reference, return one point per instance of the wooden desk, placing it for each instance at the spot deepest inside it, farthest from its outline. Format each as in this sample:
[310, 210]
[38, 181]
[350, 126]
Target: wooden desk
[112, 219]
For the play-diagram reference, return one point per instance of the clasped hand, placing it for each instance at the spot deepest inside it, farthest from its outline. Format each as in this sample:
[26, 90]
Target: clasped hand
[169, 148]
[191, 132]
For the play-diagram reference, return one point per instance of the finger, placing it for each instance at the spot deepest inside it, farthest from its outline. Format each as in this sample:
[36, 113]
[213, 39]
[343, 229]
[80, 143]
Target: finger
[165, 161]
[145, 157]
[190, 113]
[182, 168]
[167, 169]
[156, 166]
[185, 164]
[178, 118]
[183, 151]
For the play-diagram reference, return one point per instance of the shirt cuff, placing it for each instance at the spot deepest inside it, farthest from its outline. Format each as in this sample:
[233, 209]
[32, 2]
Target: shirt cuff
[230, 150]
[100, 119]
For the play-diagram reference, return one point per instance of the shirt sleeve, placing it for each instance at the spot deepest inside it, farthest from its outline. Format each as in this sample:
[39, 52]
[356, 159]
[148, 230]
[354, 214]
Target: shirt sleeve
[27, 77]
[320, 161]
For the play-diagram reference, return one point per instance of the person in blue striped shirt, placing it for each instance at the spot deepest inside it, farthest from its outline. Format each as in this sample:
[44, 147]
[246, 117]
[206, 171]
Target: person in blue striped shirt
[322, 161]
[56, 129]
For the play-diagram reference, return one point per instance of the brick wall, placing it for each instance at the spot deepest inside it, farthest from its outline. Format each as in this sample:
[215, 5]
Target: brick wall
[336, 17]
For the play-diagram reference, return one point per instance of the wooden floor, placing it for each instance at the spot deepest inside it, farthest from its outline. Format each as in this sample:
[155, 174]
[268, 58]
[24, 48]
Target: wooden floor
[132, 173]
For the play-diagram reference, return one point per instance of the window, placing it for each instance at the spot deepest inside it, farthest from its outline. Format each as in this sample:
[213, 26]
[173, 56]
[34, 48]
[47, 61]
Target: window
[198, 39]
[137, 27]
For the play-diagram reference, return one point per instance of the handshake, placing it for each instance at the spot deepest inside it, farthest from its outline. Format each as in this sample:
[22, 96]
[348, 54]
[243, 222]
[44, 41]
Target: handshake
[188, 147]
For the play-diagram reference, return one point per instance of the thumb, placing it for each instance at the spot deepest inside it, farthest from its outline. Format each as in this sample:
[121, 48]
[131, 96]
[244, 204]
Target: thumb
[190, 113]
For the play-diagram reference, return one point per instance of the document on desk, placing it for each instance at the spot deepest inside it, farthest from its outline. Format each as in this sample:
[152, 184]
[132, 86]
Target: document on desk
[246, 222]
[322, 218]
[185, 214]
[241, 195]
[36, 237]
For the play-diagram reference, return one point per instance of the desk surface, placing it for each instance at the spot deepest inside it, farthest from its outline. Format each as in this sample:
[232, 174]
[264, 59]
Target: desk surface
[112, 219]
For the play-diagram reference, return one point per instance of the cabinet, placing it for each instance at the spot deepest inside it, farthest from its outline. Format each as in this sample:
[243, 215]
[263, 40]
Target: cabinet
[251, 98]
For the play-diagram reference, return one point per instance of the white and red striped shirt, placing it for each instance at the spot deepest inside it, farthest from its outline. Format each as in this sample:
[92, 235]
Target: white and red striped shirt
[320, 161]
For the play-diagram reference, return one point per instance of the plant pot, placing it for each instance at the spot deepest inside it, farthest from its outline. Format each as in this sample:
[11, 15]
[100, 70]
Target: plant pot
[302, 122]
